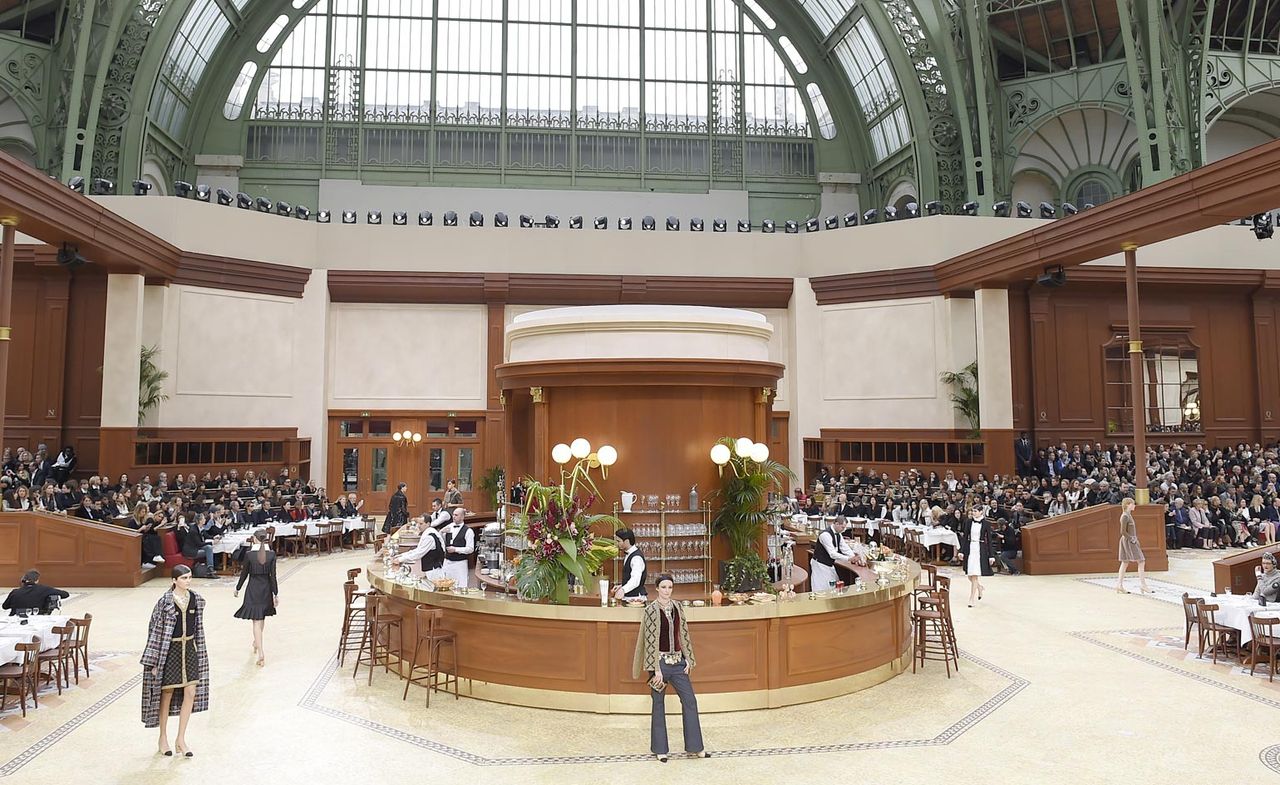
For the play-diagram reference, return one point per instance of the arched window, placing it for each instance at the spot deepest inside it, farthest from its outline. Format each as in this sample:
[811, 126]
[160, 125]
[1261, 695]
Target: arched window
[1092, 191]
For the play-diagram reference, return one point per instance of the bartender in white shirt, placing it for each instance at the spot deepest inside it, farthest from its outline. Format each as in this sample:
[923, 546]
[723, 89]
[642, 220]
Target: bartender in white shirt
[459, 543]
[831, 549]
[438, 516]
[633, 567]
[430, 551]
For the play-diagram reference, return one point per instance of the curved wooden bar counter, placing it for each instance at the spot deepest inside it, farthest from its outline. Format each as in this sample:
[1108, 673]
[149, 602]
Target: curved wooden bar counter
[578, 657]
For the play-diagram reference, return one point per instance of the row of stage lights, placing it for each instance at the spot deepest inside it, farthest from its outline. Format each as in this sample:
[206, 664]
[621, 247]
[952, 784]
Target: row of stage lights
[203, 193]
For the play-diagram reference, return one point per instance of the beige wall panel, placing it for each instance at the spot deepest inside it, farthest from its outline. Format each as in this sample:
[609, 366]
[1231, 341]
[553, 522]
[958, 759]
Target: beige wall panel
[895, 356]
[214, 326]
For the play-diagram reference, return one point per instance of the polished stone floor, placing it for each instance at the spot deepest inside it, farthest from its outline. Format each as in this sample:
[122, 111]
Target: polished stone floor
[1063, 681]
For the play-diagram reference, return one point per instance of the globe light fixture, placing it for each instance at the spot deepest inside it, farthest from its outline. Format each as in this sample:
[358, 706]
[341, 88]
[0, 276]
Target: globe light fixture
[742, 447]
[580, 448]
[720, 454]
[759, 452]
[396, 437]
[417, 437]
[607, 455]
[561, 453]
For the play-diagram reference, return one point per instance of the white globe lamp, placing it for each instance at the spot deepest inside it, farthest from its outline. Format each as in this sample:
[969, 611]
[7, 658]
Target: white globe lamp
[759, 452]
[743, 447]
[720, 454]
[580, 448]
[561, 453]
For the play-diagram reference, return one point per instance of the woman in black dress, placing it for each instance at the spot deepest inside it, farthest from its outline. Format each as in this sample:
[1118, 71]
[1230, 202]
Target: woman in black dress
[263, 594]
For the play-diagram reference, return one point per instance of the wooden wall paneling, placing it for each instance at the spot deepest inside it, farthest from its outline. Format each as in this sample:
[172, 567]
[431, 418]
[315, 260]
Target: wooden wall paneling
[1228, 373]
[82, 382]
[1266, 357]
[1077, 364]
[1043, 369]
[779, 438]
[1020, 357]
[1084, 541]
[19, 405]
[69, 551]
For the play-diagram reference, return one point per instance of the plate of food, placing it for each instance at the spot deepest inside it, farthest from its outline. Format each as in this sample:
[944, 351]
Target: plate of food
[443, 584]
[635, 603]
[762, 597]
[739, 598]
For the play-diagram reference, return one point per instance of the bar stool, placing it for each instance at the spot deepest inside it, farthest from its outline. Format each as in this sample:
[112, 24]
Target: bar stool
[375, 642]
[928, 582]
[354, 621]
[934, 615]
[431, 635]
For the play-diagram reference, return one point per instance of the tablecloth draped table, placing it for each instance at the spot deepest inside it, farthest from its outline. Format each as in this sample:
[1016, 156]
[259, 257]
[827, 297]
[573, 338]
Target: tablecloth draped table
[232, 540]
[13, 632]
[1234, 610]
[929, 535]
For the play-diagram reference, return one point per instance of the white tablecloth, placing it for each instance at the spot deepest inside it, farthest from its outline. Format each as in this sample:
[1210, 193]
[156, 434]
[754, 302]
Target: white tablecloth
[13, 632]
[1234, 610]
[230, 541]
[929, 535]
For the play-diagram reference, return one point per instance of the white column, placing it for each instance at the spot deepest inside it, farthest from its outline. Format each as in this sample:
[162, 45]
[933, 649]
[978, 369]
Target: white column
[961, 347]
[804, 373]
[122, 345]
[995, 363]
[311, 384]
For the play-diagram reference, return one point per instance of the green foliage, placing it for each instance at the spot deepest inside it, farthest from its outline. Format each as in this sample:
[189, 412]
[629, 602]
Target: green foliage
[746, 572]
[744, 488]
[150, 382]
[965, 394]
[490, 483]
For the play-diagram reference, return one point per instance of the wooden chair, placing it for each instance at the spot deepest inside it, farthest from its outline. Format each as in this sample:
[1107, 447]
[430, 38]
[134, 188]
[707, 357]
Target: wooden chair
[58, 660]
[932, 641]
[1220, 637]
[914, 548]
[1264, 637]
[928, 582]
[80, 645]
[375, 642]
[354, 573]
[332, 534]
[1192, 619]
[940, 600]
[354, 621]
[25, 674]
[433, 637]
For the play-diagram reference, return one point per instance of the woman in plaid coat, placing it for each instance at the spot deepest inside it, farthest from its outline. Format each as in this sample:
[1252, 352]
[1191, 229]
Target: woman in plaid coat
[175, 663]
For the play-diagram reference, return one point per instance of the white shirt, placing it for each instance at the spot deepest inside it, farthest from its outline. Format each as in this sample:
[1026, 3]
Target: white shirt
[837, 550]
[428, 540]
[440, 517]
[469, 542]
[633, 579]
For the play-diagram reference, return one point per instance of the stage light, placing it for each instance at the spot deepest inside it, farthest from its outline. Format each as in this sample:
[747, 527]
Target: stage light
[141, 187]
[500, 220]
[719, 225]
[969, 208]
[323, 217]
[399, 218]
[477, 218]
[103, 187]
[647, 224]
[450, 218]
[696, 225]
[791, 227]
[673, 223]
[203, 193]
[552, 221]
[244, 201]
[913, 210]
[76, 184]
[264, 204]
[1024, 210]
[575, 222]
[284, 208]
[224, 197]
[850, 219]
[182, 189]
[425, 218]
[601, 222]
[1000, 209]
[301, 213]
[1263, 226]
[373, 217]
[624, 223]
[1048, 211]
[1069, 209]
[832, 222]
[1052, 277]
[526, 221]
[933, 208]
[768, 226]
[1087, 206]
[812, 225]
[348, 216]
[890, 213]
[869, 217]
[69, 256]
[744, 225]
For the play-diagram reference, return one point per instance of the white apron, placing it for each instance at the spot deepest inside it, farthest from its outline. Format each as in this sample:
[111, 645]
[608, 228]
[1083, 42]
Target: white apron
[822, 577]
[459, 571]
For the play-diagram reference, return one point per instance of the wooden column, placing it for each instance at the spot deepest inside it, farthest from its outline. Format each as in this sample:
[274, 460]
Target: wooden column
[6, 309]
[1141, 494]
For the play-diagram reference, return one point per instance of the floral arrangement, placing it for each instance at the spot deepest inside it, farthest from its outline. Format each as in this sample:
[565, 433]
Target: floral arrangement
[558, 529]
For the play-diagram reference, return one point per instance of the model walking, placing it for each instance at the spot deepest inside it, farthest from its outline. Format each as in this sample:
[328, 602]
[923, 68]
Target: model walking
[1130, 550]
[665, 651]
[263, 594]
[977, 552]
[175, 675]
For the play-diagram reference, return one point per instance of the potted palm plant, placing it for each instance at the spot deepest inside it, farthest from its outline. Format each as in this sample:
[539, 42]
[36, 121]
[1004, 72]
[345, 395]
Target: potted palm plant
[741, 518]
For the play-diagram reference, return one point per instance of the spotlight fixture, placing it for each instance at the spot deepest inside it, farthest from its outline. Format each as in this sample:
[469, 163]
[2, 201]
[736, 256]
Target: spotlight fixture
[203, 193]
[696, 225]
[450, 218]
[673, 223]
[647, 224]
[768, 226]
[601, 222]
[225, 198]
[301, 213]
[744, 225]
[913, 209]
[969, 208]
[1263, 226]
[1052, 277]
[526, 221]
[500, 220]
[477, 218]
[1069, 209]
[850, 219]
[284, 208]
[575, 222]
[323, 217]
[869, 217]
[182, 189]
[933, 208]
[890, 213]
[141, 187]
[399, 218]
[76, 184]
[624, 223]
[244, 201]
[373, 217]
[1024, 210]
[812, 225]
[264, 204]
[552, 221]
[348, 216]
[1048, 211]
[103, 187]
[425, 218]
[1087, 206]
[791, 227]
[832, 222]
[1000, 209]
[69, 256]
[719, 225]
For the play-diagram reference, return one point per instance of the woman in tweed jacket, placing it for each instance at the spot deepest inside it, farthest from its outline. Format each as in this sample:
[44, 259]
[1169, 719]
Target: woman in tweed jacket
[664, 652]
[175, 663]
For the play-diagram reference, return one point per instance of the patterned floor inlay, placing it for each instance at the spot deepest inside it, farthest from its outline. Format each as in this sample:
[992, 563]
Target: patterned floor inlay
[1162, 648]
[1163, 590]
[1270, 758]
[1013, 684]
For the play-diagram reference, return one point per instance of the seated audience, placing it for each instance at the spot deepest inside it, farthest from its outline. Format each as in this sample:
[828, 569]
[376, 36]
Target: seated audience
[32, 595]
